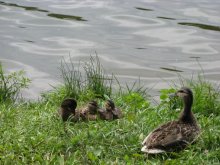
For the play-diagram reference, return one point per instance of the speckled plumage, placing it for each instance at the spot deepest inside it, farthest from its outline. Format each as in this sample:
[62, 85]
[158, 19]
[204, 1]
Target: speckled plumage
[174, 135]
[110, 112]
[89, 112]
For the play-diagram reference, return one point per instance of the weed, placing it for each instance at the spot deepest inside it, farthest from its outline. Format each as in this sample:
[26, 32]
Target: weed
[87, 80]
[11, 84]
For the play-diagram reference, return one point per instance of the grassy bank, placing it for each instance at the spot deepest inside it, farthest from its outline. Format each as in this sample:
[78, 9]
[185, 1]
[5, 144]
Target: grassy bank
[31, 133]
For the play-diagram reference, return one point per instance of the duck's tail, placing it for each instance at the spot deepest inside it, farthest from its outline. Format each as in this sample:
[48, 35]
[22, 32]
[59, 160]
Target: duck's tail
[152, 150]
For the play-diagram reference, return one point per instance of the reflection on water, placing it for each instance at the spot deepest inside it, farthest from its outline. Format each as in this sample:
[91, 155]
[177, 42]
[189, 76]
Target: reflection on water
[140, 8]
[24, 7]
[59, 16]
[171, 69]
[202, 26]
[29, 41]
[68, 17]
[167, 18]
[154, 39]
[141, 48]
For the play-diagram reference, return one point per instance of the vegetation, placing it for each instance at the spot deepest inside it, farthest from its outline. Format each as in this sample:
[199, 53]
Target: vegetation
[31, 133]
[11, 84]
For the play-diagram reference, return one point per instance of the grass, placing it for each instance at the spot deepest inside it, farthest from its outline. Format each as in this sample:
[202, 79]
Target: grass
[31, 132]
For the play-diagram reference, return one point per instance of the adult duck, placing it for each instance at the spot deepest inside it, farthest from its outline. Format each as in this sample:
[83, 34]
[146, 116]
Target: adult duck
[175, 135]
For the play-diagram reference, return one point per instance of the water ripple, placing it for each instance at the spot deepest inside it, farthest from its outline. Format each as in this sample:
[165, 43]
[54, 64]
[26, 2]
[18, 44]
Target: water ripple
[132, 21]
[149, 38]
[186, 39]
[41, 50]
[202, 13]
[75, 4]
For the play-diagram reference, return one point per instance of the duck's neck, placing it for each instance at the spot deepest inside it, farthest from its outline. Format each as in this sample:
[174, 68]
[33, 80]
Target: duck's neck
[187, 115]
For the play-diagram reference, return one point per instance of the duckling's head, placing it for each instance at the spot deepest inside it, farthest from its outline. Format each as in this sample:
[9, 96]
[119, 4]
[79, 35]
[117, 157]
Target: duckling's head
[93, 106]
[69, 105]
[109, 105]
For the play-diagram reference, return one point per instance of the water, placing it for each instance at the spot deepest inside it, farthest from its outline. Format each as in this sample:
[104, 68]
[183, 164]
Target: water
[146, 38]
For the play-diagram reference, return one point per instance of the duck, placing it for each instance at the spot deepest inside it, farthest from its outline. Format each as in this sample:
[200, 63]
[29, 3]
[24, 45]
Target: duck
[89, 112]
[110, 112]
[67, 110]
[176, 135]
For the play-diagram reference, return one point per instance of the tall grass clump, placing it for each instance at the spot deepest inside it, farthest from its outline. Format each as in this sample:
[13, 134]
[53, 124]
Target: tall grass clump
[72, 79]
[88, 80]
[96, 79]
[11, 84]
[82, 81]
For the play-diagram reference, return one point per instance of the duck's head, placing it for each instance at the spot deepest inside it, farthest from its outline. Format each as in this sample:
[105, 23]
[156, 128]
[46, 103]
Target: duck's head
[93, 106]
[69, 105]
[109, 105]
[185, 93]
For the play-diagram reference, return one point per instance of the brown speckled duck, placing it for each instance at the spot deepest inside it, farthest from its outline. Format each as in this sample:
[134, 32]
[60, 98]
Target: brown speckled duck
[175, 135]
[89, 112]
[67, 109]
[110, 112]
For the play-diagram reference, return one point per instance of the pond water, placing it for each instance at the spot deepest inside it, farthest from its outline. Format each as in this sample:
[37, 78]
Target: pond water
[146, 38]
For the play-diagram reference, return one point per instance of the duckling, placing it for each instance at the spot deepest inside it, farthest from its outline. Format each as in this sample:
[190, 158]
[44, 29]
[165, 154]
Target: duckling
[67, 109]
[89, 112]
[174, 135]
[110, 112]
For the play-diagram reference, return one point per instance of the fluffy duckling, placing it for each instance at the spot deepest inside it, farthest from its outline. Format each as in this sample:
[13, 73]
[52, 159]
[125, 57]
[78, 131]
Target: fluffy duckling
[110, 112]
[67, 109]
[174, 135]
[89, 112]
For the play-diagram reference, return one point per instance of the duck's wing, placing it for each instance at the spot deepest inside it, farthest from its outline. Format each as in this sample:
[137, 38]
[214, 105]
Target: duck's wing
[168, 137]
